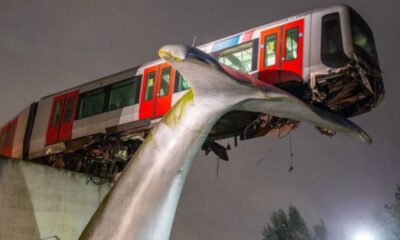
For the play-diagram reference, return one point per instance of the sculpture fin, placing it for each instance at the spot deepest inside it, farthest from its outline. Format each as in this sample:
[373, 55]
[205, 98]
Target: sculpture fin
[220, 83]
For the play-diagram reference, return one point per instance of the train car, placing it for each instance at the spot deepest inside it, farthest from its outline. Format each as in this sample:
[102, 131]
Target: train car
[325, 57]
[13, 135]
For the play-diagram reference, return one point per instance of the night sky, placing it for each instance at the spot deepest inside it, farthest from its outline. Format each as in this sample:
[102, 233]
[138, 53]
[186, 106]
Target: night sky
[47, 46]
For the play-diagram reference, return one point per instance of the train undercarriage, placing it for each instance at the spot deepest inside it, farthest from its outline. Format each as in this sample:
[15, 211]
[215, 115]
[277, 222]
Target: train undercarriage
[103, 156]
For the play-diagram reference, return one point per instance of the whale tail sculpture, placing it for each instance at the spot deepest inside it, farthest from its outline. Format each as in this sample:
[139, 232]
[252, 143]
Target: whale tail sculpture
[142, 204]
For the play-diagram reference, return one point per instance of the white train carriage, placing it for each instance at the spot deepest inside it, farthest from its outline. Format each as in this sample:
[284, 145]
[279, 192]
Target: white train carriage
[325, 57]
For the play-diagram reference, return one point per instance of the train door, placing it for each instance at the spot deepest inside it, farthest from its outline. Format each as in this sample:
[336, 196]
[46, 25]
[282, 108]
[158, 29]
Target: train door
[281, 53]
[68, 116]
[292, 60]
[54, 120]
[164, 92]
[147, 102]
[270, 55]
[157, 91]
[61, 117]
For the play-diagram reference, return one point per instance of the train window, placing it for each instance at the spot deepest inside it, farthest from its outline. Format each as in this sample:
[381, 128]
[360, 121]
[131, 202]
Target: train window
[56, 113]
[68, 110]
[165, 79]
[270, 50]
[91, 103]
[291, 43]
[363, 39]
[239, 57]
[181, 84]
[332, 54]
[123, 94]
[150, 80]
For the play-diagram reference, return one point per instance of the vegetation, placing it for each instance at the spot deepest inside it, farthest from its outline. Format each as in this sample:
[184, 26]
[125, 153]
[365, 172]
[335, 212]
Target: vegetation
[291, 226]
[389, 221]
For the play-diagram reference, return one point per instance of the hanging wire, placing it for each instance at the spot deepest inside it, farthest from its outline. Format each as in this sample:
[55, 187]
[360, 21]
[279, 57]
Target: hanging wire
[266, 154]
[217, 170]
[248, 126]
[235, 140]
[291, 168]
[283, 136]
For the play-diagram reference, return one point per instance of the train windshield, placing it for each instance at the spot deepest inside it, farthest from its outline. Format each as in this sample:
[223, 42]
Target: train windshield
[363, 39]
[332, 53]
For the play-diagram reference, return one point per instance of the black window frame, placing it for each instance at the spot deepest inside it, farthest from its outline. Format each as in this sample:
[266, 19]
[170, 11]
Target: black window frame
[339, 58]
[297, 42]
[168, 70]
[356, 19]
[135, 81]
[177, 79]
[255, 46]
[107, 91]
[53, 118]
[67, 115]
[146, 79]
[83, 95]
[266, 49]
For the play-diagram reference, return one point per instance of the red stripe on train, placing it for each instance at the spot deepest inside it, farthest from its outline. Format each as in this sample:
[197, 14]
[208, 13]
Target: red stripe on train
[248, 36]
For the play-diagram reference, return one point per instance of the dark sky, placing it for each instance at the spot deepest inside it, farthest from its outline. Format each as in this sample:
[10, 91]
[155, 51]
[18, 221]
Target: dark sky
[46, 46]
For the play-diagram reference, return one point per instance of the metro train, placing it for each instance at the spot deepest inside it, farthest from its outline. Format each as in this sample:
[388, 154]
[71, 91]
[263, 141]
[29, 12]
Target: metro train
[325, 57]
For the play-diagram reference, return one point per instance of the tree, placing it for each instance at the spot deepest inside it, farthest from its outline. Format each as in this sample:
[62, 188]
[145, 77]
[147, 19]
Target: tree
[292, 226]
[320, 231]
[393, 210]
[278, 229]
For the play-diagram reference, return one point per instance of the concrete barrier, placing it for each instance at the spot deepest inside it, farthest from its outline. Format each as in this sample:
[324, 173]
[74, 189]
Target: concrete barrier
[40, 202]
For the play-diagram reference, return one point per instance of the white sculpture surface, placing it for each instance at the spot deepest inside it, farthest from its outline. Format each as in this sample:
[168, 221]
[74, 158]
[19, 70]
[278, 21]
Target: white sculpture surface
[142, 204]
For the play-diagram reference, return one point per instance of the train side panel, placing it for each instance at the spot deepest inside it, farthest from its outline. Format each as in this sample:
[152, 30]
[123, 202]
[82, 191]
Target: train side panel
[85, 127]
[38, 139]
[81, 127]
[296, 56]
[12, 135]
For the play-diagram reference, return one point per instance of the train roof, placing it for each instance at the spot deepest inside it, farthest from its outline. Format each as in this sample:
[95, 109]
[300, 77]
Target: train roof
[205, 47]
